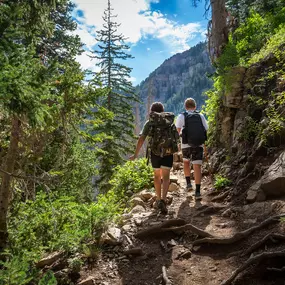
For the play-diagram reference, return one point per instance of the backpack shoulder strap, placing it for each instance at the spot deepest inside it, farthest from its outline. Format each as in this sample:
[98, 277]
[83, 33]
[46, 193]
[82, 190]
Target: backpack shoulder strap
[185, 113]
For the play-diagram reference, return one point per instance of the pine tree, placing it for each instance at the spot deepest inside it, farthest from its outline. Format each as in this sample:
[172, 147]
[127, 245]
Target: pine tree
[115, 76]
[44, 101]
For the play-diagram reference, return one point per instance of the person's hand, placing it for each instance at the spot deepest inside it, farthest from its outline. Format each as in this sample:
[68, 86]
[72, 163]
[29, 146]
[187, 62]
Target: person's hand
[133, 157]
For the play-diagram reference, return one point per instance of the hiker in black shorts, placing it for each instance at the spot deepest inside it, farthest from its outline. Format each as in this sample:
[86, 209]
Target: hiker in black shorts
[163, 139]
[193, 127]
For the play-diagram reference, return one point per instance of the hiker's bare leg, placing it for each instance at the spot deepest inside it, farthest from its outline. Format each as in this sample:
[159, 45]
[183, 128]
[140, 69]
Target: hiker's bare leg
[165, 183]
[157, 183]
[186, 167]
[197, 173]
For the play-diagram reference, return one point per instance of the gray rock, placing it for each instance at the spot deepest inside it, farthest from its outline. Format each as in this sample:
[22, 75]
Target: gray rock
[137, 201]
[137, 209]
[112, 236]
[272, 183]
[145, 195]
[50, 259]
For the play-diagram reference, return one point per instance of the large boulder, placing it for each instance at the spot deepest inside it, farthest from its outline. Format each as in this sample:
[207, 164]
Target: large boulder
[272, 183]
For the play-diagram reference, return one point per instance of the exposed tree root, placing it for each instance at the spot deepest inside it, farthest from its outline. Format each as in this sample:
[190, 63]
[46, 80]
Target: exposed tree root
[188, 227]
[160, 228]
[258, 244]
[164, 276]
[137, 251]
[276, 269]
[240, 235]
[175, 226]
[221, 196]
[209, 210]
[250, 261]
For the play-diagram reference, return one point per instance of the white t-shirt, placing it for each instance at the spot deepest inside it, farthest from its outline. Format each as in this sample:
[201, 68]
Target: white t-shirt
[180, 122]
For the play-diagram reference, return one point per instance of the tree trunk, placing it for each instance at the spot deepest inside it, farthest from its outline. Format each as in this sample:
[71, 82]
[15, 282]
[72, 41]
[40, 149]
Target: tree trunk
[218, 36]
[5, 189]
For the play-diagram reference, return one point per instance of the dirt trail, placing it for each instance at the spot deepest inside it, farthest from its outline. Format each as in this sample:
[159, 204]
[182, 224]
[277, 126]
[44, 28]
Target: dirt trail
[205, 264]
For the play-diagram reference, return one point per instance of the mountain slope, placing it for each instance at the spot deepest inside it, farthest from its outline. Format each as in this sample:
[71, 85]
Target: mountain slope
[181, 76]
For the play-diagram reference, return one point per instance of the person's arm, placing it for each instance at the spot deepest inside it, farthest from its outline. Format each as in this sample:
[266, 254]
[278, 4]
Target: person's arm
[144, 133]
[138, 147]
[179, 123]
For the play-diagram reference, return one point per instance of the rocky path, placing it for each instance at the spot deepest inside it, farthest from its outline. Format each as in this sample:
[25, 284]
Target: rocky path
[170, 257]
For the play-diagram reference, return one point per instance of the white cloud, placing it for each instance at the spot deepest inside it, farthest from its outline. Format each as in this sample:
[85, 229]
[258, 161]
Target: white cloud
[88, 38]
[87, 62]
[137, 22]
[133, 79]
[148, 49]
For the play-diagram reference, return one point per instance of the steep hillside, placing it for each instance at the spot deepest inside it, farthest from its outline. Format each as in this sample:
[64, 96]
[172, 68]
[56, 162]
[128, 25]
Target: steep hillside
[181, 76]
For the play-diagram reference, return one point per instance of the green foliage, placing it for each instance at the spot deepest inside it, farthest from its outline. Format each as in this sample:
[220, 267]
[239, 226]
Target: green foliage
[48, 279]
[211, 108]
[272, 46]
[133, 176]
[221, 182]
[16, 270]
[91, 251]
[229, 57]
[260, 33]
[53, 222]
[250, 35]
[74, 264]
[275, 123]
[250, 130]
[50, 223]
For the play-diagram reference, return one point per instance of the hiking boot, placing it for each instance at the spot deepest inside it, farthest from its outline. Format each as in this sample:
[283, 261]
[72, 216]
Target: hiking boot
[162, 207]
[198, 196]
[189, 187]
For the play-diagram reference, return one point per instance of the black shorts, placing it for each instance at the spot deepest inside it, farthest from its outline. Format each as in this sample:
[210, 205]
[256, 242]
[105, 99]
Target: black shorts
[161, 162]
[195, 154]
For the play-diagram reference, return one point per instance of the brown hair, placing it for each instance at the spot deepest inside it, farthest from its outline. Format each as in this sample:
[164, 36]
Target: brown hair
[190, 103]
[157, 107]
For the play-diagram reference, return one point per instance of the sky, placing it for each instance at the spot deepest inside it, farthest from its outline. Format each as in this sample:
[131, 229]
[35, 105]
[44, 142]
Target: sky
[155, 30]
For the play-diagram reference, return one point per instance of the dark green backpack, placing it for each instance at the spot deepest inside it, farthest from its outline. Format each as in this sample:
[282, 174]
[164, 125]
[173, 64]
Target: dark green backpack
[163, 135]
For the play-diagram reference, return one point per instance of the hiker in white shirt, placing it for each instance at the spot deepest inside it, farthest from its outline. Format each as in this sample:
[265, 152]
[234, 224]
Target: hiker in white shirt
[192, 143]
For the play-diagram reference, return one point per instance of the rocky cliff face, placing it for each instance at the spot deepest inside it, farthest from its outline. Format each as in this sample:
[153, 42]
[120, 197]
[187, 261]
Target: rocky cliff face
[181, 76]
[250, 134]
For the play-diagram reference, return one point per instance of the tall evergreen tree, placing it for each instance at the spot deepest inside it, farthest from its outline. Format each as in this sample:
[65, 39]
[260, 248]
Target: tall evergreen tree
[43, 102]
[115, 76]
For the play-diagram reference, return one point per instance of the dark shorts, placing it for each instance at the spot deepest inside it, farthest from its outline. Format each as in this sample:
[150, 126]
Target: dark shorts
[161, 162]
[195, 154]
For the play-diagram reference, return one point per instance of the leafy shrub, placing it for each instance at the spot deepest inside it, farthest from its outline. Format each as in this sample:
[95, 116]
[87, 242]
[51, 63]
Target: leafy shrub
[211, 108]
[16, 270]
[250, 35]
[53, 222]
[229, 57]
[221, 182]
[133, 176]
[272, 46]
